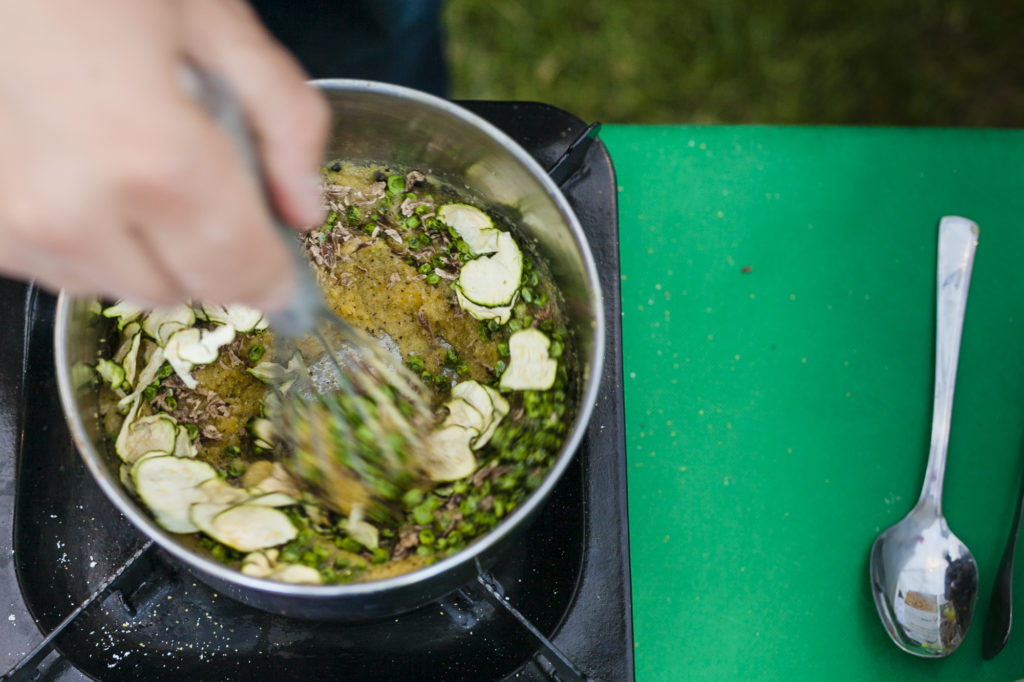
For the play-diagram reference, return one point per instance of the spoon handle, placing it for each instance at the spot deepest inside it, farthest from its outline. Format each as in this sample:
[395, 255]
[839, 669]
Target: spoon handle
[1000, 607]
[958, 239]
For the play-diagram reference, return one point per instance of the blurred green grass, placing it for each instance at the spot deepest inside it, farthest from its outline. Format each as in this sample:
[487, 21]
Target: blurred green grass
[888, 62]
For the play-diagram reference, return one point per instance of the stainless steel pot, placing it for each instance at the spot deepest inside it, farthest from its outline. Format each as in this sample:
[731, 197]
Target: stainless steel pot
[384, 124]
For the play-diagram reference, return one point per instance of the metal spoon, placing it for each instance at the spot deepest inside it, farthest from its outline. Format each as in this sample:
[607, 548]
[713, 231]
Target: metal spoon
[924, 580]
[1000, 606]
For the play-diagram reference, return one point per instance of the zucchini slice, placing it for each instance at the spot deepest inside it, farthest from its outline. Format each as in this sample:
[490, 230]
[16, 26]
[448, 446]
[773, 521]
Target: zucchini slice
[156, 433]
[501, 410]
[360, 530]
[275, 499]
[219, 491]
[462, 413]
[447, 456]
[261, 429]
[296, 574]
[169, 486]
[501, 313]
[82, 374]
[248, 527]
[160, 323]
[187, 348]
[124, 311]
[128, 334]
[241, 317]
[256, 564]
[493, 280]
[183, 445]
[201, 514]
[206, 347]
[529, 366]
[473, 225]
[488, 402]
[276, 374]
[131, 359]
[111, 372]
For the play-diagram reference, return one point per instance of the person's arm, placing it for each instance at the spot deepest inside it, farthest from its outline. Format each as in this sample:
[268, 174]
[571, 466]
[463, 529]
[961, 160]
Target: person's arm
[113, 180]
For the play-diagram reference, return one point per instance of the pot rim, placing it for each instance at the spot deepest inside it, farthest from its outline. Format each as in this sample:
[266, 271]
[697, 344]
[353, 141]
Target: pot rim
[114, 491]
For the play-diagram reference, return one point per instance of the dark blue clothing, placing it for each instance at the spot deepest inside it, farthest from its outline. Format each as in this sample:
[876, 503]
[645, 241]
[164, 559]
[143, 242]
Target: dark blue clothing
[395, 41]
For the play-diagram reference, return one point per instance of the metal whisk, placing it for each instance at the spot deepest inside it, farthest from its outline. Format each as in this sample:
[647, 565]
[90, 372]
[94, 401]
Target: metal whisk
[350, 416]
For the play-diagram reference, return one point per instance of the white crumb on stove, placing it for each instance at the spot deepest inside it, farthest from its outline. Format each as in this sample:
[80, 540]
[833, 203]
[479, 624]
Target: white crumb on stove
[11, 618]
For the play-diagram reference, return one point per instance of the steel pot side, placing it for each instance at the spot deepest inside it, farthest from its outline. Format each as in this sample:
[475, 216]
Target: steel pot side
[382, 123]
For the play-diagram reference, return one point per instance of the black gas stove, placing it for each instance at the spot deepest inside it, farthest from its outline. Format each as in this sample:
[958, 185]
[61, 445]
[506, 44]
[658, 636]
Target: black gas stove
[555, 607]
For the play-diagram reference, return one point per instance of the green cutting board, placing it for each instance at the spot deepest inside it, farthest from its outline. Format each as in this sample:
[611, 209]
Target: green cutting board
[778, 289]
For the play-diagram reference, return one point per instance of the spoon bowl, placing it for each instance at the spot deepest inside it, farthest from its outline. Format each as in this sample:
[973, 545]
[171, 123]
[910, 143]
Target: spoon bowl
[925, 584]
[923, 578]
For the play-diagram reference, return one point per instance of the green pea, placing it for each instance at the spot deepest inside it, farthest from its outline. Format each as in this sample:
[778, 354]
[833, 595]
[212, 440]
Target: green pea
[412, 223]
[236, 469]
[149, 393]
[426, 537]
[425, 269]
[527, 294]
[353, 214]
[412, 497]
[232, 451]
[422, 514]
[379, 555]
[256, 352]
[433, 278]
[165, 371]
[425, 550]
[503, 349]
[192, 430]
[415, 363]
[171, 402]
[351, 545]
[396, 184]
[555, 349]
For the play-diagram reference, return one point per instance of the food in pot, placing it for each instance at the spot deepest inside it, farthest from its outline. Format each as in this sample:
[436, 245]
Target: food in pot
[188, 391]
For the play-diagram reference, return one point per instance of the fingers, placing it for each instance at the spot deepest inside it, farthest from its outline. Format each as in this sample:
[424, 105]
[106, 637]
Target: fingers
[289, 118]
[200, 216]
[133, 191]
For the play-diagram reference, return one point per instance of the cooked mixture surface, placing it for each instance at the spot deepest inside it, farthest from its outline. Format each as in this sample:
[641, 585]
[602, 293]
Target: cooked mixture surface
[188, 392]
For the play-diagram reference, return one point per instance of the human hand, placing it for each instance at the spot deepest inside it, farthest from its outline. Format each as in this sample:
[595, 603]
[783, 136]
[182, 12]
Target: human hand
[114, 181]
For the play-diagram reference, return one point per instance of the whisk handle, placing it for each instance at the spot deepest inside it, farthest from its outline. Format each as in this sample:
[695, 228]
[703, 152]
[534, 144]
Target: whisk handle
[301, 315]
